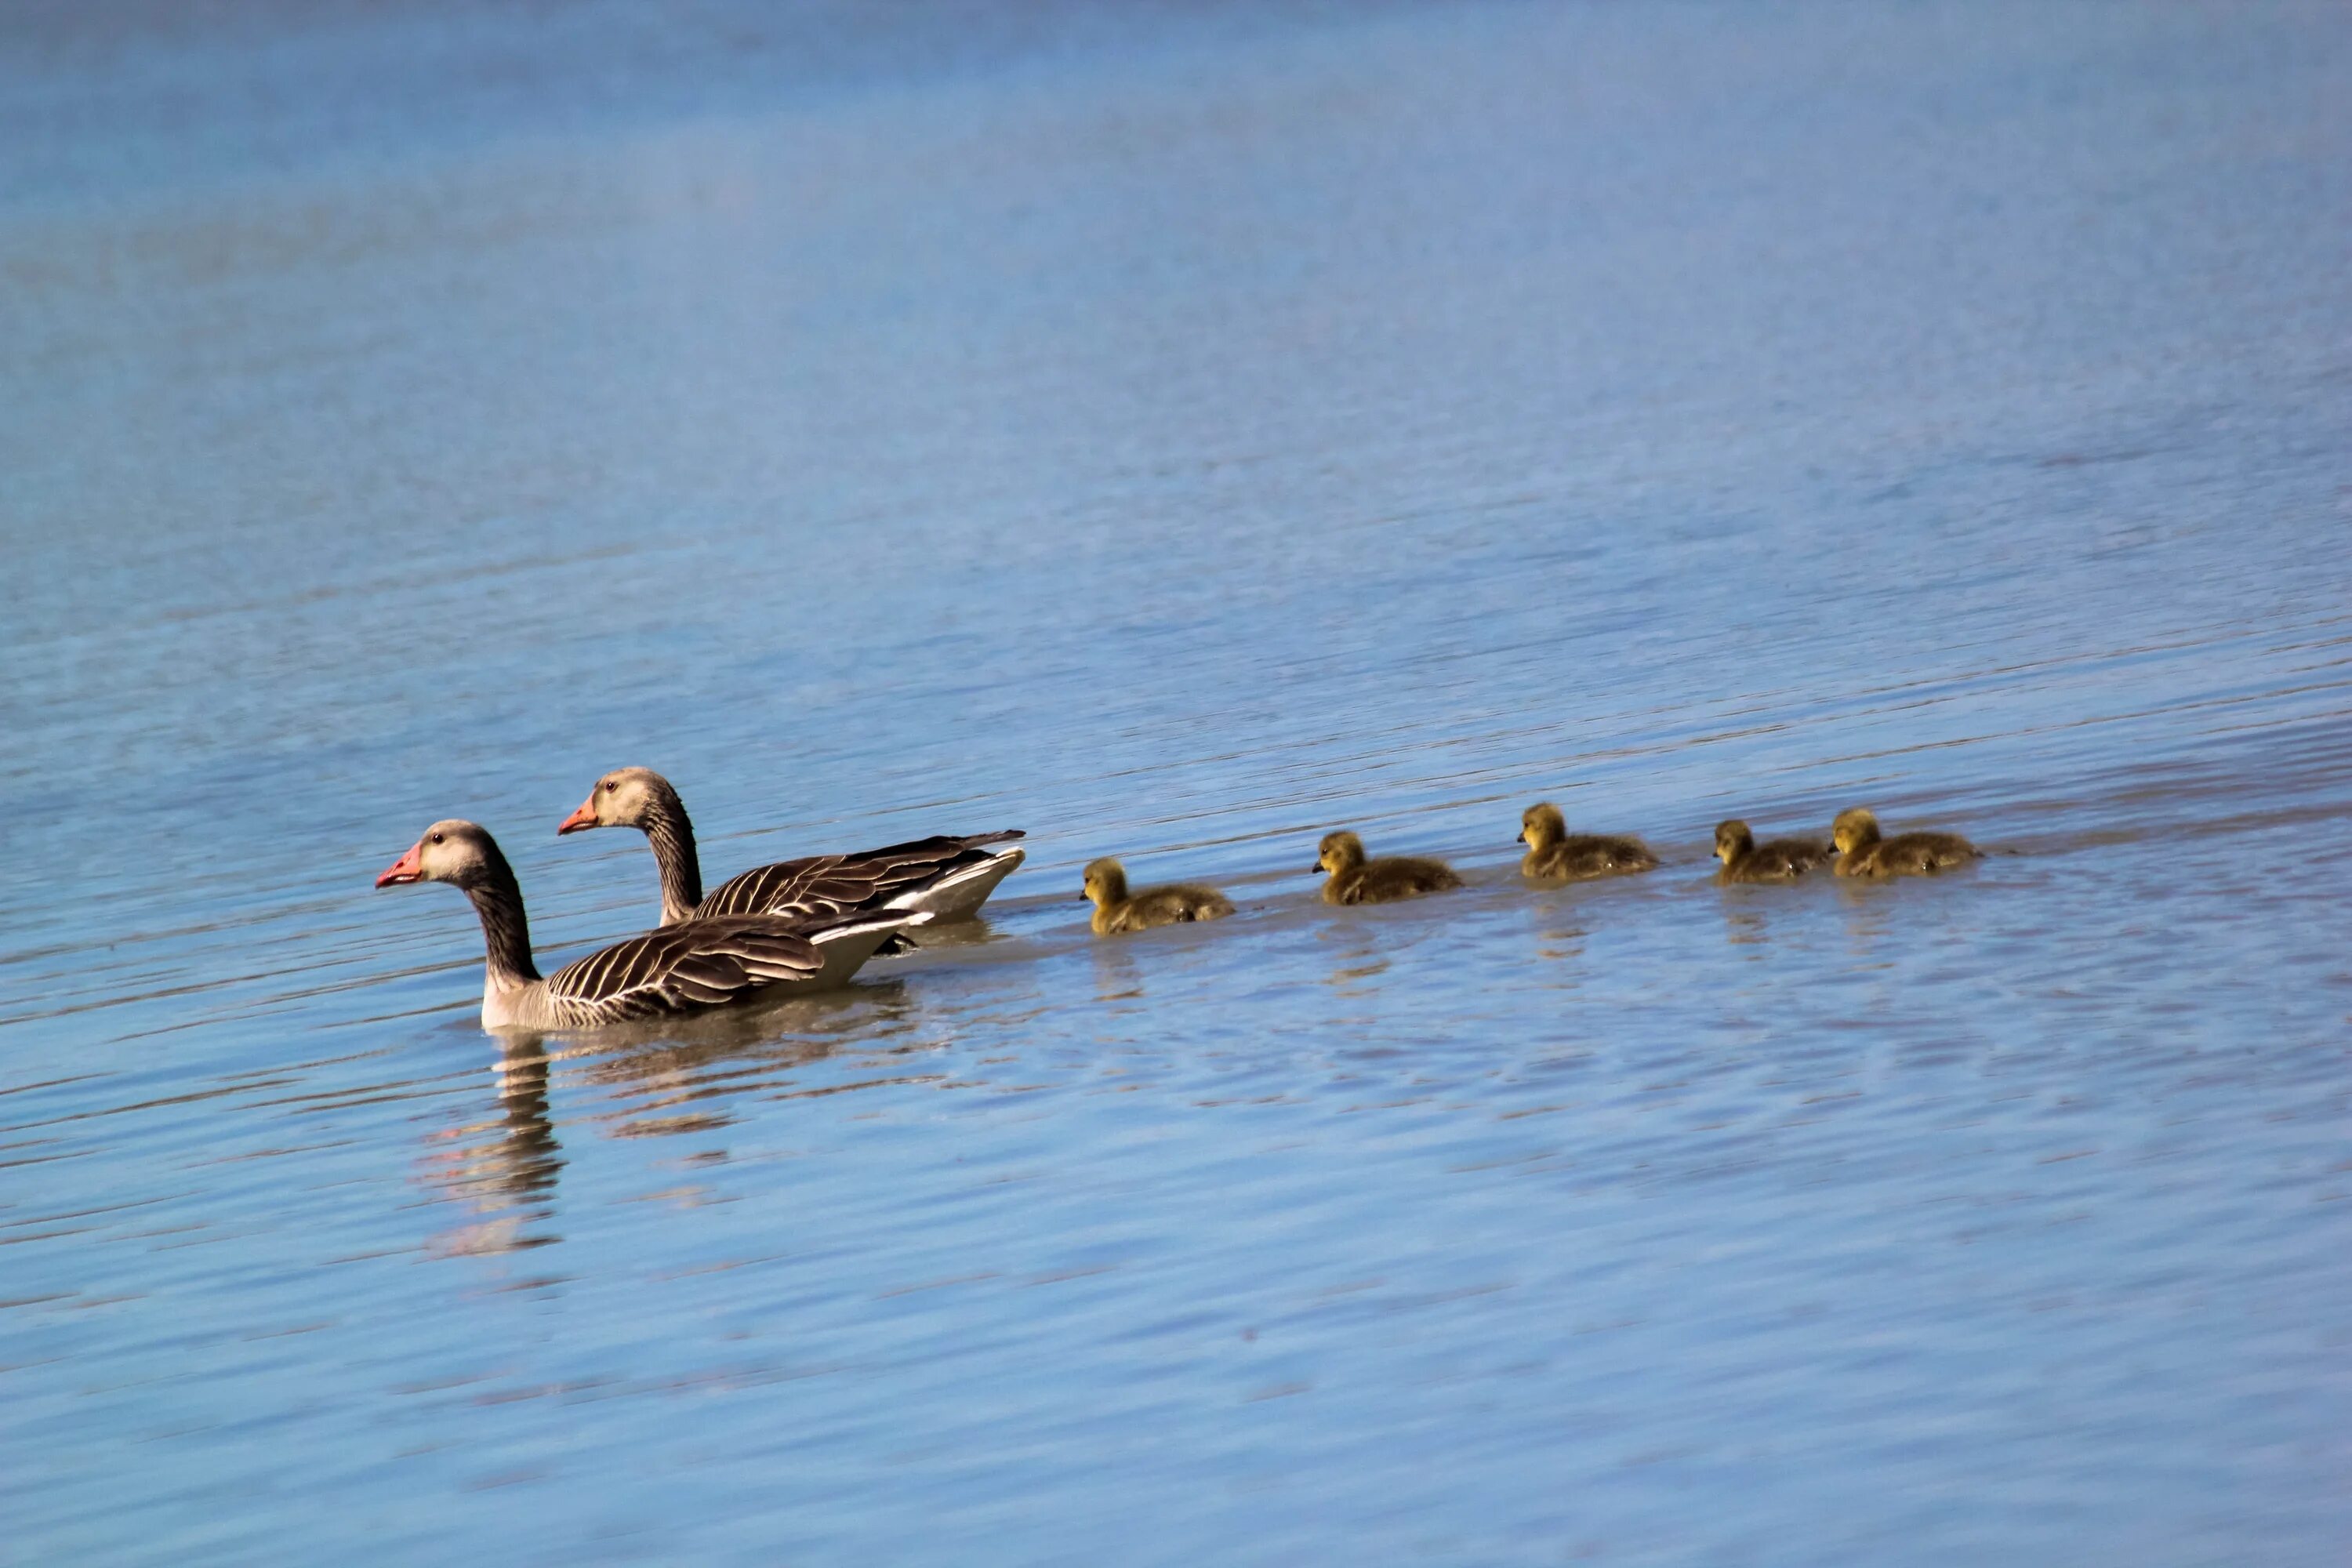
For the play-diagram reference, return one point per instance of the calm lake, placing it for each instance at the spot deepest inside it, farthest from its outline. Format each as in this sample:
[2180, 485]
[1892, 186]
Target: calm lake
[1179, 430]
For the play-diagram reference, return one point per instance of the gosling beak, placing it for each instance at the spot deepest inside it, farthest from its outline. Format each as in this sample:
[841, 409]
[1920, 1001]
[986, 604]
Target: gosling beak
[407, 869]
[582, 817]
[1520, 836]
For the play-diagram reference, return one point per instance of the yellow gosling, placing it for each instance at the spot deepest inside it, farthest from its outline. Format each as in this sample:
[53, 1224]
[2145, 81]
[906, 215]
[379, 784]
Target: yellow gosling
[1556, 855]
[1863, 853]
[1117, 912]
[1353, 880]
[1779, 860]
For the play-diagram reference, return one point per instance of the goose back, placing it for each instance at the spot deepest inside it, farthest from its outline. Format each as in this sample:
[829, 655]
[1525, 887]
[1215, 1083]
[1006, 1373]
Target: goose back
[895, 876]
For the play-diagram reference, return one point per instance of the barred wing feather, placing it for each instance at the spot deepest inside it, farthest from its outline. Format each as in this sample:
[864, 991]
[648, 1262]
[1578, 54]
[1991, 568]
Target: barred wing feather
[837, 884]
[700, 963]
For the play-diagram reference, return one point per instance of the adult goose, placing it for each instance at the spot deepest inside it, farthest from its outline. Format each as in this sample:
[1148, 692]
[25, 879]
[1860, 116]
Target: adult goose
[678, 969]
[1862, 852]
[946, 876]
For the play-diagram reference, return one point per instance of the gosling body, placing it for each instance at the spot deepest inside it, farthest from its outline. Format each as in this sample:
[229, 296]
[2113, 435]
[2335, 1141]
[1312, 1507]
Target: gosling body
[1862, 852]
[1775, 860]
[1352, 878]
[1556, 855]
[1117, 912]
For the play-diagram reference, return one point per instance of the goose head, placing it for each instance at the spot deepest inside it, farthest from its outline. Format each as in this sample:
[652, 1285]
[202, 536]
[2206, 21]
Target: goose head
[1854, 828]
[1541, 824]
[454, 851]
[1106, 882]
[625, 797]
[1732, 840]
[1338, 852]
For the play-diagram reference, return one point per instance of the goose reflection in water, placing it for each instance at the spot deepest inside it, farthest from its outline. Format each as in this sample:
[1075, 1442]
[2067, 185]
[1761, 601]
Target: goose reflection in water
[505, 1168]
[685, 1082]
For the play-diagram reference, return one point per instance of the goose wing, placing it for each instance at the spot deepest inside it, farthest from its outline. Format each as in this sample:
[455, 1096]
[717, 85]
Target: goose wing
[838, 884]
[698, 964]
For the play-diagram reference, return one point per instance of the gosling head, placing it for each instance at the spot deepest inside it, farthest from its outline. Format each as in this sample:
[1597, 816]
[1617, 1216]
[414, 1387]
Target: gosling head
[1106, 882]
[1541, 824]
[1338, 852]
[625, 797]
[1854, 828]
[1732, 840]
[452, 851]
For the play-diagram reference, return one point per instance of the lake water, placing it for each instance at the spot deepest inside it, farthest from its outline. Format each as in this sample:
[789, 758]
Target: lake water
[1178, 432]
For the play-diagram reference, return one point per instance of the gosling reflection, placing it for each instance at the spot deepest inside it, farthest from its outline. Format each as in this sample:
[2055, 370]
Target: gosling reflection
[1556, 943]
[1746, 927]
[1867, 925]
[1357, 960]
[1118, 978]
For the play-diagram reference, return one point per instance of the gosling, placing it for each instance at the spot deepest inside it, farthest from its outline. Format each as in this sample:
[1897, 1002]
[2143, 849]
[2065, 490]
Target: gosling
[1116, 911]
[1356, 880]
[1863, 853]
[1556, 855]
[1780, 860]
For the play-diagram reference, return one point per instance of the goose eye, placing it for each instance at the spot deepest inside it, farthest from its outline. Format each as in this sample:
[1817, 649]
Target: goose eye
[437, 838]
[610, 787]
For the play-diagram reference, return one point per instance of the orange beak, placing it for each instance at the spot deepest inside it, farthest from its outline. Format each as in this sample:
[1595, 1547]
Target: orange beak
[583, 816]
[407, 869]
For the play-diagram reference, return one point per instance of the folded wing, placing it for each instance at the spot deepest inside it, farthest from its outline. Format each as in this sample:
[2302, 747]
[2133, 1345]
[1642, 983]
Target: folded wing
[700, 963]
[838, 884]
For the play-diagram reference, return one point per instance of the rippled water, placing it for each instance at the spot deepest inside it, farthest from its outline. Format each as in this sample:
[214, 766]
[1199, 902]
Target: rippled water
[1179, 433]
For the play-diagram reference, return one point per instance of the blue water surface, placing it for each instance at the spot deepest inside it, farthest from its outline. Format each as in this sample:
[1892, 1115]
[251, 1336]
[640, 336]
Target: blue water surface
[1179, 431]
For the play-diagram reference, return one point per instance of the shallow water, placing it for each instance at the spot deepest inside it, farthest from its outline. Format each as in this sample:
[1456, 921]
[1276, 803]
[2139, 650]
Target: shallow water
[1177, 433]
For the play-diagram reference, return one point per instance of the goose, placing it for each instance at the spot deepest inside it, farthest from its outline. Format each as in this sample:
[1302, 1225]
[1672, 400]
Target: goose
[1356, 880]
[945, 875]
[1779, 860]
[1117, 912]
[1556, 855]
[676, 968]
[1863, 853]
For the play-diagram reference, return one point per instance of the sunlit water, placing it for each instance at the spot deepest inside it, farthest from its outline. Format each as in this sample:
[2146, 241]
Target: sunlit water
[1179, 434]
